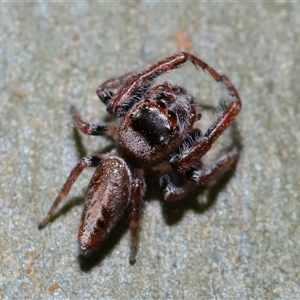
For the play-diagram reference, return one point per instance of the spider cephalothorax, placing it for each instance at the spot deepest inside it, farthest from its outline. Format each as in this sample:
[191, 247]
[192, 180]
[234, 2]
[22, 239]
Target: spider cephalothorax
[156, 126]
[156, 130]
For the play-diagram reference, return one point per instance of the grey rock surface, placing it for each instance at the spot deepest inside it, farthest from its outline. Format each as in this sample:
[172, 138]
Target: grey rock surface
[245, 245]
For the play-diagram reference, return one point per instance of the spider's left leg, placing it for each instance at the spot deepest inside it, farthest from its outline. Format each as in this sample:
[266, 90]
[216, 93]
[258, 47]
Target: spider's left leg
[199, 177]
[92, 128]
[180, 163]
[202, 177]
[172, 192]
[137, 192]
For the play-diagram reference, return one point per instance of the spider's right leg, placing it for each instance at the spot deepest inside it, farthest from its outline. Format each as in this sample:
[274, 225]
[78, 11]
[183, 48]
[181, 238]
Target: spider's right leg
[92, 128]
[142, 81]
[89, 161]
[104, 90]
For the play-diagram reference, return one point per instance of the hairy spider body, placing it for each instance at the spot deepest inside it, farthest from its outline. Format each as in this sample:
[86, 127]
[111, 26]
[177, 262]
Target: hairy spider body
[156, 125]
[156, 130]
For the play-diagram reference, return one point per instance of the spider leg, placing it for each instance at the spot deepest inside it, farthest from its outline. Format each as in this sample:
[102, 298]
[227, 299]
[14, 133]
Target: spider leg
[137, 192]
[104, 90]
[173, 193]
[89, 161]
[202, 177]
[92, 128]
[136, 81]
[188, 158]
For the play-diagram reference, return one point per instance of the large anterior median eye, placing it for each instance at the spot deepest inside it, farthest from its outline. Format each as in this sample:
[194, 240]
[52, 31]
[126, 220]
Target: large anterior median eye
[152, 124]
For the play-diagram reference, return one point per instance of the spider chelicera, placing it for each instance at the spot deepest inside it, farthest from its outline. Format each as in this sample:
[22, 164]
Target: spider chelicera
[155, 131]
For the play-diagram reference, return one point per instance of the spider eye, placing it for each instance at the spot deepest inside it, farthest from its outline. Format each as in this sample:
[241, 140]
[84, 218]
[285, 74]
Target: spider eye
[161, 104]
[152, 124]
[172, 115]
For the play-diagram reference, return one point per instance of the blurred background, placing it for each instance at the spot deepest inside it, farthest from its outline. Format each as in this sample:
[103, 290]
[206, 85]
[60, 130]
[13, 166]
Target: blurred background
[239, 240]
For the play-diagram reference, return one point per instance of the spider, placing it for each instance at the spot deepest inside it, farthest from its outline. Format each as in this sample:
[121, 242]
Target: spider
[155, 131]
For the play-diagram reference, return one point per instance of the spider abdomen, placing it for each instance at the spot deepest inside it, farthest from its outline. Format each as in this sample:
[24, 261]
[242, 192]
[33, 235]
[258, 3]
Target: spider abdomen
[106, 201]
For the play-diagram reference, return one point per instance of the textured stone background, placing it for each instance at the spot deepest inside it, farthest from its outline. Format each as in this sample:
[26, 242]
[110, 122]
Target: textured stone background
[246, 244]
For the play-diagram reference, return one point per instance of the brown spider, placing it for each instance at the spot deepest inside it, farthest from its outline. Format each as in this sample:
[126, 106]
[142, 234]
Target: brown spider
[155, 131]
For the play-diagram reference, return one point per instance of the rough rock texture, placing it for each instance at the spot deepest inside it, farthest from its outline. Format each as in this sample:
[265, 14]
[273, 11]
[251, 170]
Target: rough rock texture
[246, 244]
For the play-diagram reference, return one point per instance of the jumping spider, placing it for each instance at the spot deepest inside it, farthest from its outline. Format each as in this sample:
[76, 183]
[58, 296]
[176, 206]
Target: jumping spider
[155, 131]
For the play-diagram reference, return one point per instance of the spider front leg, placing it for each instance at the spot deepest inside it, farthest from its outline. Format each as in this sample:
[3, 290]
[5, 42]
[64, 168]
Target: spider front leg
[136, 82]
[104, 90]
[189, 157]
[89, 161]
[107, 96]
